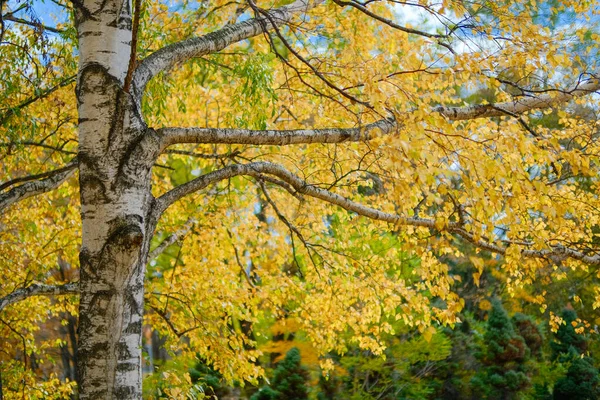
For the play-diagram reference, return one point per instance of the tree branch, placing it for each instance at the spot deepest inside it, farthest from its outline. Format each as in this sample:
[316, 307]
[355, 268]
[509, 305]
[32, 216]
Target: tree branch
[520, 105]
[171, 136]
[257, 169]
[134, 40]
[60, 149]
[165, 58]
[172, 238]
[239, 261]
[40, 95]
[33, 177]
[38, 289]
[37, 25]
[304, 61]
[51, 181]
[230, 155]
[392, 24]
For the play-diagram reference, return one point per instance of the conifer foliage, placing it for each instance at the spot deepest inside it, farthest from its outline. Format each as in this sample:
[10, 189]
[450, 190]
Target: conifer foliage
[581, 381]
[289, 380]
[210, 380]
[568, 343]
[503, 357]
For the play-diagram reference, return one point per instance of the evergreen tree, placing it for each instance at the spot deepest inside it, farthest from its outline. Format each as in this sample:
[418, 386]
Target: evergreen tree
[328, 388]
[503, 357]
[582, 381]
[210, 380]
[541, 392]
[530, 332]
[266, 393]
[568, 344]
[289, 380]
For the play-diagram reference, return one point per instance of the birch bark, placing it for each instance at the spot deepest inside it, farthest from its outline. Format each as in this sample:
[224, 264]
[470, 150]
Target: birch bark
[115, 199]
[116, 154]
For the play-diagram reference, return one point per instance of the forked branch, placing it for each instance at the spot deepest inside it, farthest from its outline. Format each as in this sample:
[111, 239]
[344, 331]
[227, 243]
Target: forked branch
[165, 58]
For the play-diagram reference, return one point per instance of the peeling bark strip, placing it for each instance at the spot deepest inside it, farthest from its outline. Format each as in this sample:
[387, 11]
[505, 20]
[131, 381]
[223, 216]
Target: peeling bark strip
[38, 289]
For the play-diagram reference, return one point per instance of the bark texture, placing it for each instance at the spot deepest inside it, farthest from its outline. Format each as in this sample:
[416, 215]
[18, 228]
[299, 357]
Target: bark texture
[115, 157]
[115, 200]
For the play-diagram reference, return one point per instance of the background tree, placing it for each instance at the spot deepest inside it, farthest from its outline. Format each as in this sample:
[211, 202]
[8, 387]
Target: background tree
[569, 346]
[581, 381]
[289, 380]
[505, 356]
[210, 380]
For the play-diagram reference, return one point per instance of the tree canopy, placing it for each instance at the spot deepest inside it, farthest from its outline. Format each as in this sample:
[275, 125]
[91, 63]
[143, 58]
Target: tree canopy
[316, 162]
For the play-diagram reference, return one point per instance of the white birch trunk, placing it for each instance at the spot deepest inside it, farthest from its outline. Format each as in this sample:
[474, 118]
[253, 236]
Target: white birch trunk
[119, 214]
[115, 201]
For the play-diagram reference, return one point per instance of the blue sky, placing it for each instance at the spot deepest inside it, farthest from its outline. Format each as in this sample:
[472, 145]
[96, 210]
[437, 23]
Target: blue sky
[46, 11]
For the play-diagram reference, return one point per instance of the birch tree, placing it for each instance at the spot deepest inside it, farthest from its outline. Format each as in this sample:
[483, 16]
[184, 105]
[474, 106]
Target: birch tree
[478, 126]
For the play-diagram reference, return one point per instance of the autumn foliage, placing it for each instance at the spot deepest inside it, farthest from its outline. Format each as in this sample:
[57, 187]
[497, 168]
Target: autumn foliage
[385, 166]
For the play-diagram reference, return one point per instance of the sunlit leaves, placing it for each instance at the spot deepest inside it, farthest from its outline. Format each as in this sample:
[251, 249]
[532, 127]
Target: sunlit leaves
[257, 254]
[524, 181]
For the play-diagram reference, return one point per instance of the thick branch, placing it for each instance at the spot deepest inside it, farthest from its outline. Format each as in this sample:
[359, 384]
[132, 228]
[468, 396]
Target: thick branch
[38, 289]
[520, 105]
[163, 59]
[258, 169]
[53, 180]
[171, 136]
